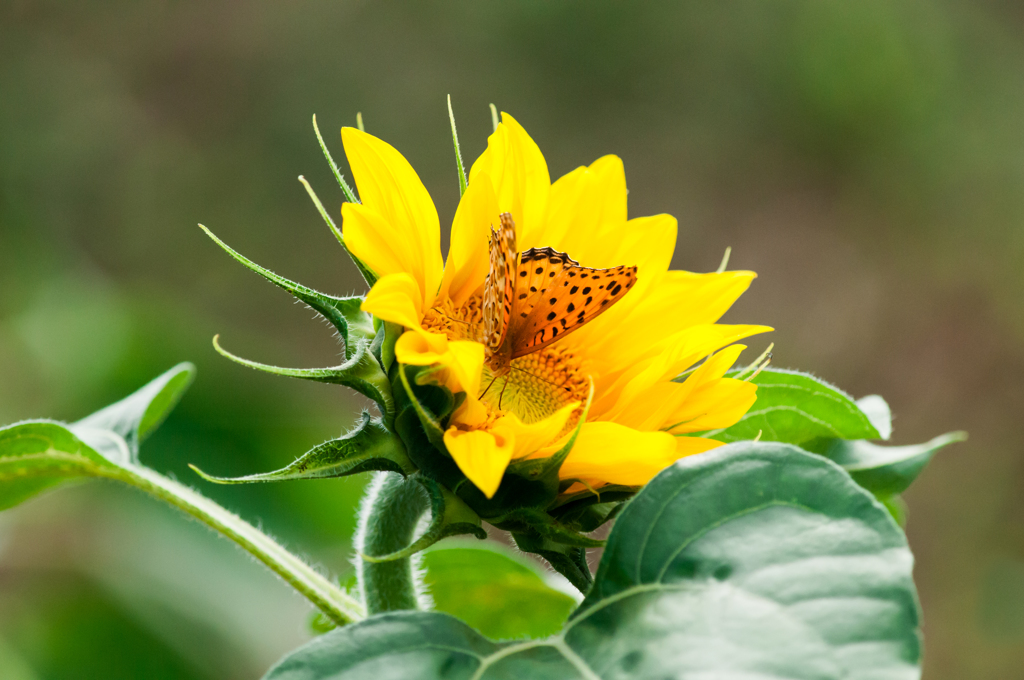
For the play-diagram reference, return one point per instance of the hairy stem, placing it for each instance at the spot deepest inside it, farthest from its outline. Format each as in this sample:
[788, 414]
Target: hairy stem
[388, 519]
[329, 598]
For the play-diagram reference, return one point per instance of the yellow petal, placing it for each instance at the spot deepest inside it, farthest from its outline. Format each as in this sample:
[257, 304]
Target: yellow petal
[617, 454]
[646, 242]
[396, 298]
[377, 241]
[482, 455]
[468, 256]
[471, 413]
[586, 215]
[717, 405]
[678, 301]
[462, 360]
[467, 360]
[664, 403]
[391, 193]
[418, 347]
[530, 438]
[615, 391]
[519, 176]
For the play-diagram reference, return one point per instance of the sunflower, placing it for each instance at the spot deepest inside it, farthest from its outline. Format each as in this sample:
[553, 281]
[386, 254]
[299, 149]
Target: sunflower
[632, 384]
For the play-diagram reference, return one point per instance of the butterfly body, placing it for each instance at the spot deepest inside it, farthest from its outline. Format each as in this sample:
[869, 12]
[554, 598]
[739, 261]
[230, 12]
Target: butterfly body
[534, 298]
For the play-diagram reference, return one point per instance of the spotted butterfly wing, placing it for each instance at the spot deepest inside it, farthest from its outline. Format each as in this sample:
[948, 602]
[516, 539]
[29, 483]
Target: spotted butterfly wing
[500, 283]
[575, 296]
[537, 270]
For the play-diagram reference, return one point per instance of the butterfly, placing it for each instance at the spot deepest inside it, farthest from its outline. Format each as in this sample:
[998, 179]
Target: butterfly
[533, 298]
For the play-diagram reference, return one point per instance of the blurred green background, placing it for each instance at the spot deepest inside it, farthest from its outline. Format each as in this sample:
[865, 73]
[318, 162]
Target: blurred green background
[865, 158]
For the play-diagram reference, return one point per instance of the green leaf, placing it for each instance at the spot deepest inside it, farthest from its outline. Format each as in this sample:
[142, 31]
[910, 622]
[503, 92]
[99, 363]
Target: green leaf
[501, 594]
[756, 560]
[897, 507]
[135, 417]
[344, 314]
[369, 446]
[887, 470]
[797, 408]
[877, 411]
[38, 455]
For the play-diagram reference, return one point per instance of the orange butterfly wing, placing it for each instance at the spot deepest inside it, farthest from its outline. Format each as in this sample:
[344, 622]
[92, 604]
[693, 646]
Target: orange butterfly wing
[500, 283]
[538, 268]
[575, 296]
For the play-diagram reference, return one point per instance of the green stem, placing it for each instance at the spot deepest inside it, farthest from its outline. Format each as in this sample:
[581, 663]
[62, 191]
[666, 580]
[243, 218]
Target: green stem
[388, 519]
[329, 598]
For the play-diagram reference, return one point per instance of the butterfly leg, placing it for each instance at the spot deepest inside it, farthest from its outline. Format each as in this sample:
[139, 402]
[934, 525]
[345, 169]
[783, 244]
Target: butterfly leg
[502, 394]
[498, 375]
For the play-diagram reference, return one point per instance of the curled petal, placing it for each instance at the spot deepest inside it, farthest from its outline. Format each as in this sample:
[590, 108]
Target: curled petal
[422, 348]
[396, 298]
[533, 437]
[462, 360]
[482, 455]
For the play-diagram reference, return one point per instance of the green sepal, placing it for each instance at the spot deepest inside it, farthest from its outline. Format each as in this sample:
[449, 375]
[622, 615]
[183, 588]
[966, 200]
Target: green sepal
[350, 195]
[392, 331]
[563, 545]
[136, 416]
[458, 151]
[368, 446]
[344, 314]
[360, 372]
[430, 418]
[368, 274]
[527, 519]
[421, 410]
[887, 470]
[569, 561]
[449, 516]
[591, 508]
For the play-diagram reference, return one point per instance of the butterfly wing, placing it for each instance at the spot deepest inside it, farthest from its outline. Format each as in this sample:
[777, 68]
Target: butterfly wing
[500, 283]
[538, 268]
[575, 296]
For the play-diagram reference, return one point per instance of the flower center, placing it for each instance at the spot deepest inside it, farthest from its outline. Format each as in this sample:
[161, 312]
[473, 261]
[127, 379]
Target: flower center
[536, 385]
